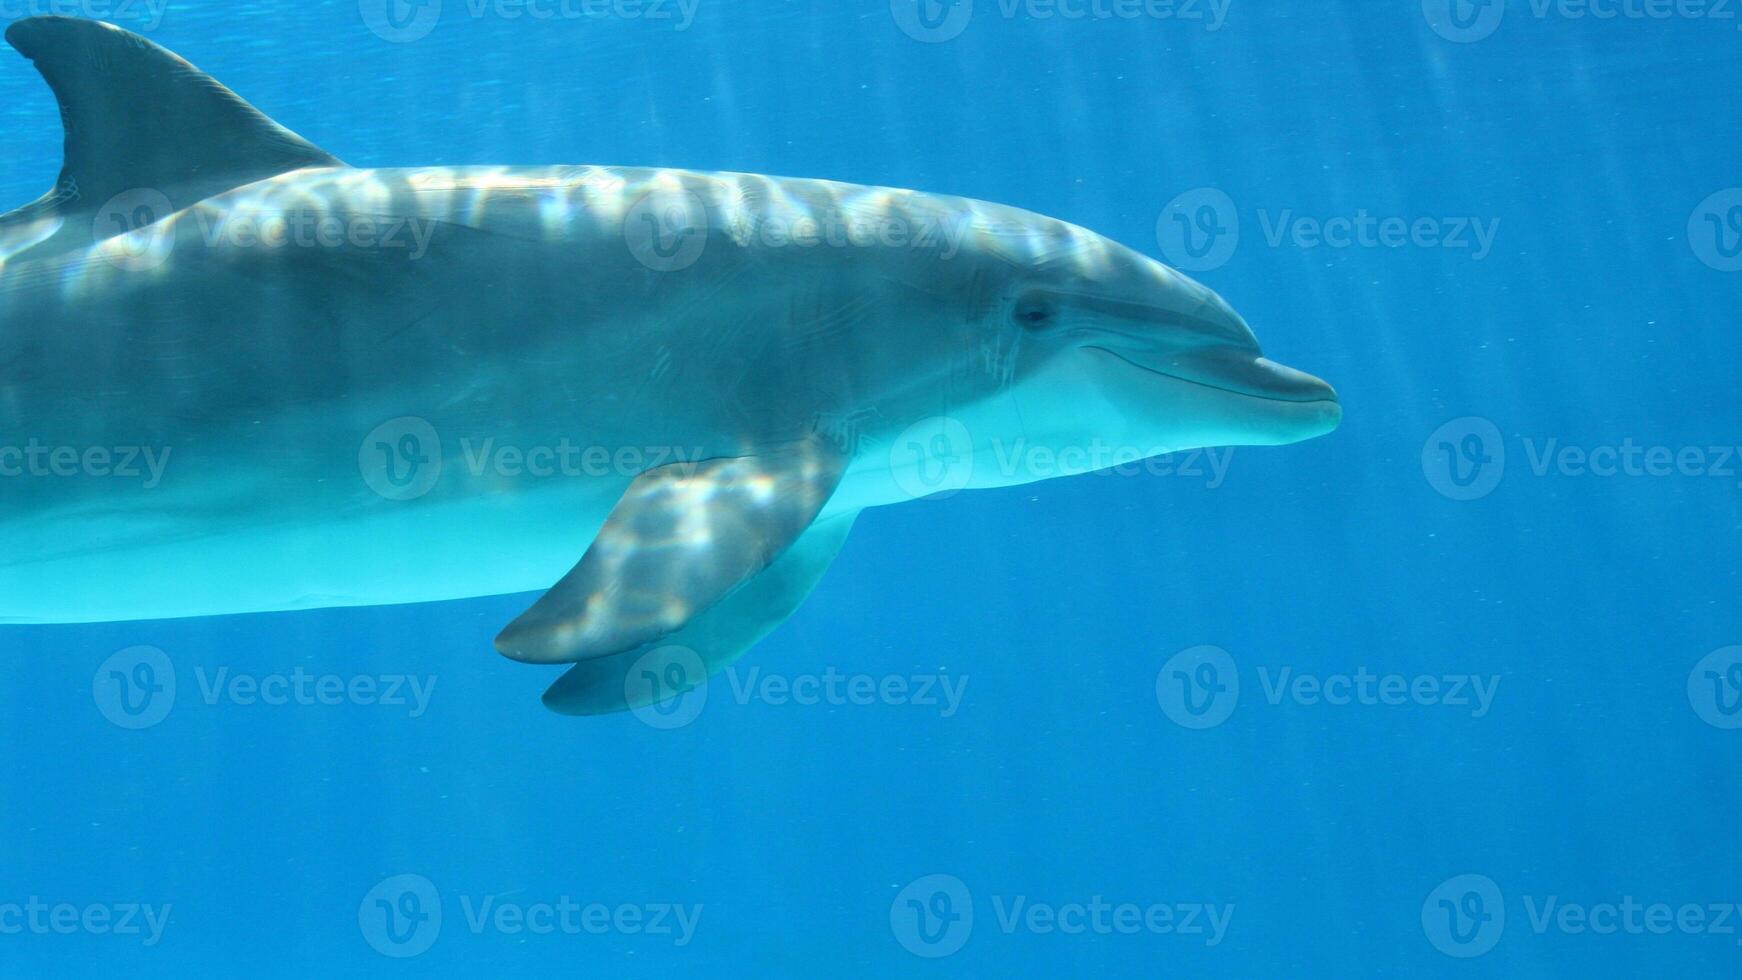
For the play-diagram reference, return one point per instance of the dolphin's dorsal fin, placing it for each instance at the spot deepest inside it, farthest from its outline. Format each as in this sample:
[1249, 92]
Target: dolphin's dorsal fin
[140, 118]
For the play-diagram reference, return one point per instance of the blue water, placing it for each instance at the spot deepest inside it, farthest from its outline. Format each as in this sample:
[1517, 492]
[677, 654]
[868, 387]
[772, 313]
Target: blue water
[1091, 805]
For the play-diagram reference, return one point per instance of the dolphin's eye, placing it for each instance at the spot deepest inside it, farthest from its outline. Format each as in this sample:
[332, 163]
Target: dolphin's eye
[1035, 311]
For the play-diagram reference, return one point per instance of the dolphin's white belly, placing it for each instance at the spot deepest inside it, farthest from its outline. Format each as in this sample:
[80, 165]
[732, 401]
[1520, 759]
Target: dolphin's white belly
[461, 549]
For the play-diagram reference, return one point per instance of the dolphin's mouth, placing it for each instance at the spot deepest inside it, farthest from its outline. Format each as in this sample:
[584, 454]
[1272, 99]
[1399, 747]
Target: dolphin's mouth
[1237, 372]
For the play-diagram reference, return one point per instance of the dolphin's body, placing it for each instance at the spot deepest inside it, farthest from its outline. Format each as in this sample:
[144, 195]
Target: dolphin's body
[325, 375]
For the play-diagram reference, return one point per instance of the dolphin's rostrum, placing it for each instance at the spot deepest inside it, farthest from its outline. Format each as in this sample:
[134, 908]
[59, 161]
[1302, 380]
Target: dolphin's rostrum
[366, 387]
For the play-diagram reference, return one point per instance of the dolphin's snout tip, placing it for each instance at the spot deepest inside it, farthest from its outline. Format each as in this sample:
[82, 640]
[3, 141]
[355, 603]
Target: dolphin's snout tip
[1283, 383]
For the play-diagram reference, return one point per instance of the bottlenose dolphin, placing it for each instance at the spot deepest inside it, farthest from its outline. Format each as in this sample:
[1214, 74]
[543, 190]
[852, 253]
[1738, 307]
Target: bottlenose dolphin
[239, 375]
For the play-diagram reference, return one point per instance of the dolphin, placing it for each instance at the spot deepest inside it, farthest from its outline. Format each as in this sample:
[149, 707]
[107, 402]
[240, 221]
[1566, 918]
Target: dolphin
[239, 375]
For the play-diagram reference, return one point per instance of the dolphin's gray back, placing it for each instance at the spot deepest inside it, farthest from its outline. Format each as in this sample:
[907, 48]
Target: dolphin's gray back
[138, 117]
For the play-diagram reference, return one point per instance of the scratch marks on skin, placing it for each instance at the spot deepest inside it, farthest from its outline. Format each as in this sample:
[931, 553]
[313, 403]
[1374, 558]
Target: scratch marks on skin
[820, 330]
[845, 430]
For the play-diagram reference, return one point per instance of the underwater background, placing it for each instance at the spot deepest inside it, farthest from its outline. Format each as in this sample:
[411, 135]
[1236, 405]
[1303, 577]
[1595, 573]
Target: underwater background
[1455, 691]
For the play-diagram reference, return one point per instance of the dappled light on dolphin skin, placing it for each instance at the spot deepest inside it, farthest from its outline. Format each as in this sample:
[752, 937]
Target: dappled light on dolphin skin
[682, 537]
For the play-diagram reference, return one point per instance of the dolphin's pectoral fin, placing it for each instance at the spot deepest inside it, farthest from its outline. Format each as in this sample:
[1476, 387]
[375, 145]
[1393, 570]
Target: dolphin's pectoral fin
[683, 537]
[139, 118]
[679, 661]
